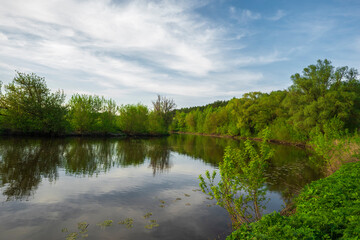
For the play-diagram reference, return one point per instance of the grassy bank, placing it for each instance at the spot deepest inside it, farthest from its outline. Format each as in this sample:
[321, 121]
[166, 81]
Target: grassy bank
[326, 209]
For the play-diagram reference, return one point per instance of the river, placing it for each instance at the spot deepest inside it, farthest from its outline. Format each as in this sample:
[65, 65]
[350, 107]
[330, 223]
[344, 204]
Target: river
[50, 185]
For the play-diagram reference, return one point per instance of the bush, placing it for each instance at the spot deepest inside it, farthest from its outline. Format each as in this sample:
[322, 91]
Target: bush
[240, 189]
[326, 209]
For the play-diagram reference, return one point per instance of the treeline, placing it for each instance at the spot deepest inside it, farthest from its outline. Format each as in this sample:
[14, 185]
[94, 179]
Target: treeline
[321, 99]
[28, 107]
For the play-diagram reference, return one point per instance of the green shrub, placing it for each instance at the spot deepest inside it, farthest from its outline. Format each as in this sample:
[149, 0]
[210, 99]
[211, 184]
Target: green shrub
[240, 189]
[326, 209]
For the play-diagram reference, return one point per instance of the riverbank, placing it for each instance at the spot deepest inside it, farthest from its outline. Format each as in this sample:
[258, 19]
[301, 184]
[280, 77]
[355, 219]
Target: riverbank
[275, 141]
[75, 134]
[325, 209]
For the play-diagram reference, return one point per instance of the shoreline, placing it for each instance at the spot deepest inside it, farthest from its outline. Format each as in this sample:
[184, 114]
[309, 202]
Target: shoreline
[86, 135]
[147, 135]
[257, 139]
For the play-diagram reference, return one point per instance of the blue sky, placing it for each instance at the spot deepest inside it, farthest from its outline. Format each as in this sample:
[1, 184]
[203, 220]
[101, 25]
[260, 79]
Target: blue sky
[194, 51]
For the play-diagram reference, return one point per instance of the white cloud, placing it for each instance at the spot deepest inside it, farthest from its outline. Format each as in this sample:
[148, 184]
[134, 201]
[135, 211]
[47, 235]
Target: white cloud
[3, 37]
[278, 15]
[259, 60]
[179, 40]
[244, 15]
[117, 49]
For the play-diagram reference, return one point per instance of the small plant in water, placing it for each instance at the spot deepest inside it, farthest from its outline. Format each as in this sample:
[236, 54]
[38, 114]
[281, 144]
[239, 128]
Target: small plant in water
[240, 189]
[82, 227]
[147, 215]
[128, 222]
[105, 224]
[152, 224]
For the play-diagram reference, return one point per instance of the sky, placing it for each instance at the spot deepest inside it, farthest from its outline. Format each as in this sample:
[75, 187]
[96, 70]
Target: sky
[194, 51]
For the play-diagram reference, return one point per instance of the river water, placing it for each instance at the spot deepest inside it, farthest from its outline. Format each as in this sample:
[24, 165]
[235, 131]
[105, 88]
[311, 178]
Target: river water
[48, 186]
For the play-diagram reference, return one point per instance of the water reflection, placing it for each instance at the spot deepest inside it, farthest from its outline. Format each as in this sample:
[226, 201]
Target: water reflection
[24, 162]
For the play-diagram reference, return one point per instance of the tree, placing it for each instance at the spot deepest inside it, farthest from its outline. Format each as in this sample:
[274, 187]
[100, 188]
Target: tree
[28, 106]
[240, 189]
[163, 107]
[83, 112]
[92, 114]
[321, 94]
[133, 119]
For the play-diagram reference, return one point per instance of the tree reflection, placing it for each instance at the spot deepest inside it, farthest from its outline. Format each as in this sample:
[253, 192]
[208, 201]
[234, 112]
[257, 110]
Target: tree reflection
[130, 152]
[159, 155]
[24, 162]
[86, 156]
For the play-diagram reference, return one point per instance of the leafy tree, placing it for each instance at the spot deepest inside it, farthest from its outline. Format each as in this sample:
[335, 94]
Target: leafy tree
[321, 94]
[108, 116]
[92, 114]
[163, 107]
[240, 189]
[28, 106]
[157, 123]
[133, 119]
[178, 123]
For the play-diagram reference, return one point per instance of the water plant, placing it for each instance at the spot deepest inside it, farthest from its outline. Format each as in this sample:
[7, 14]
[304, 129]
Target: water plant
[152, 224]
[105, 224]
[128, 222]
[147, 215]
[82, 231]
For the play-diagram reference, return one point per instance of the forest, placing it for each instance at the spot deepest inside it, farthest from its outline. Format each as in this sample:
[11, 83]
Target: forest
[323, 98]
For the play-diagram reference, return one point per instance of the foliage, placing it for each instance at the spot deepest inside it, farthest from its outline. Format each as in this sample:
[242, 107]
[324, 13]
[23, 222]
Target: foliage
[28, 106]
[157, 123]
[240, 189]
[326, 209]
[334, 145]
[163, 107]
[89, 114]
[133, 119]
[317, 95]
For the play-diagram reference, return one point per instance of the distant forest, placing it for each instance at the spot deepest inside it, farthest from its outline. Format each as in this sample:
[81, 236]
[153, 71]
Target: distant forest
[323, 98]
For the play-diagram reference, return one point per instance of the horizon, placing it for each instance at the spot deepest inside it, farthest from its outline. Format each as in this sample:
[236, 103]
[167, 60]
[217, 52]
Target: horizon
[195, 52]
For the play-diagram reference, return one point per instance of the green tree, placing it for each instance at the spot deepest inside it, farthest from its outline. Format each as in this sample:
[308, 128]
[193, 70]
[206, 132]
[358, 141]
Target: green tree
[322, 93]
[108, 116]
[163, 107]
[134, 119]
[89, 114]
[240, 189]
[28, 106]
